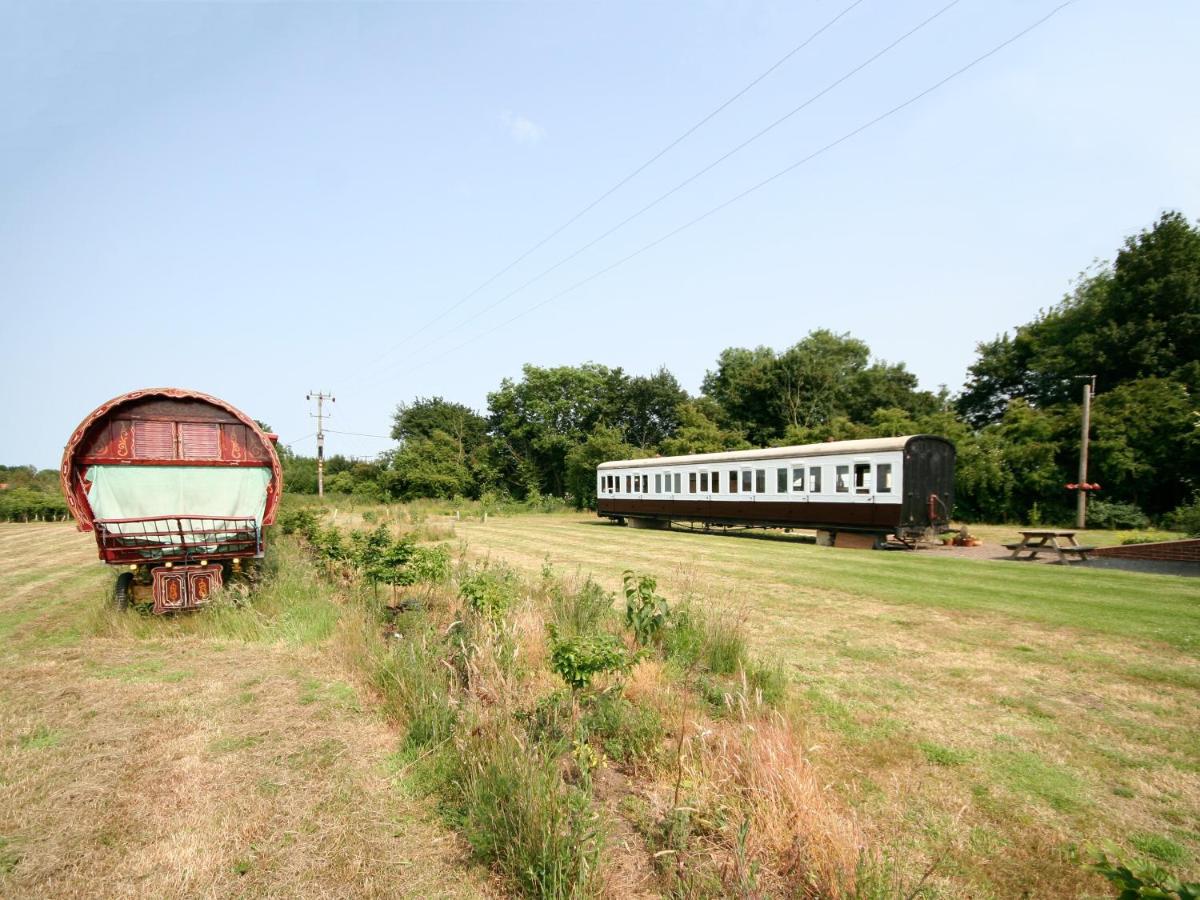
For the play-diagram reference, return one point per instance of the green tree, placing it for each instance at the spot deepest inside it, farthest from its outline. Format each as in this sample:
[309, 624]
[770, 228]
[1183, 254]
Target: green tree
[743, 386]
[698, 431]
[423, 417]
[428, 467]
[1147, 443]
[604, 444]
[645, 408]
[1138, 318]
[537, 420]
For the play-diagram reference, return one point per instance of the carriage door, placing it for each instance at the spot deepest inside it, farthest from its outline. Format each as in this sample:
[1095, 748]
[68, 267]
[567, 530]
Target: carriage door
[864, 489]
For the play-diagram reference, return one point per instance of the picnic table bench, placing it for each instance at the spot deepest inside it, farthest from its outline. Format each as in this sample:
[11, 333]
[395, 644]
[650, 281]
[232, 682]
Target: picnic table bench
[1062, 543]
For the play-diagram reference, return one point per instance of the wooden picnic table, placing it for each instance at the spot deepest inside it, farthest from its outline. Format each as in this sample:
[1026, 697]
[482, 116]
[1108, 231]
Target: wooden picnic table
[1037, 541]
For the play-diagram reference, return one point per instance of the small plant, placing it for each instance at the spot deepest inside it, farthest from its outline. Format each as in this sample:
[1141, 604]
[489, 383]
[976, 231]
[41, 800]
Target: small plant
[724, 646]
[579, 658]
[428, 565]
[488, 592]
[627, 733]
[684, 640]
[582, 610]
[645, 611]
[297, 521]
[517, 813]
[1144, 880]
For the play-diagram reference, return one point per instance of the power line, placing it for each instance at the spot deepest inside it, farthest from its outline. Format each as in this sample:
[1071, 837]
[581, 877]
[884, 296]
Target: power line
[298, 440]
[382, 437]
[712, 165]
[641, 168]
[761, 184]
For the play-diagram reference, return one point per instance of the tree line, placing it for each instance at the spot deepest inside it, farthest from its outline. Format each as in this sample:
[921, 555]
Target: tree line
[1133, 323]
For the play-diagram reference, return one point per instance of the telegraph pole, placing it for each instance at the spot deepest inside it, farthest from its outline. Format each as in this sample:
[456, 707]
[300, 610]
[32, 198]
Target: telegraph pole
[320, 417]
[1089, 388]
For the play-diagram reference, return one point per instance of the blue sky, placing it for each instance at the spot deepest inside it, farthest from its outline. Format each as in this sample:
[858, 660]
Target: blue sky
[256, 200]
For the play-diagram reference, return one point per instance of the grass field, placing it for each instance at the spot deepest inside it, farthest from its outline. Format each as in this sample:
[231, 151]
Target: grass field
[981, 713]
[978, 715]
[227, 753]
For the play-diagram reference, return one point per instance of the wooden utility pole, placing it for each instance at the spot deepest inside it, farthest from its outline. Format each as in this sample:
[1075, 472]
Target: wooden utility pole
[320, 417]
[1089, 388]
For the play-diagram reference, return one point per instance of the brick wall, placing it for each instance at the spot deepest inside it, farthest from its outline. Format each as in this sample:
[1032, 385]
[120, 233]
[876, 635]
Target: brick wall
[1161, 551]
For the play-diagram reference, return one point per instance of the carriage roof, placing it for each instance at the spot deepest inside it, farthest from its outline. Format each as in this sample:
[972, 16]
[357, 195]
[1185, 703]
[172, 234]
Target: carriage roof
[828, 448]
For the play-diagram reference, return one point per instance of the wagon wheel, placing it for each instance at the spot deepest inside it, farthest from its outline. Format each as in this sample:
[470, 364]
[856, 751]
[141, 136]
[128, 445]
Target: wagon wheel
[123, 591]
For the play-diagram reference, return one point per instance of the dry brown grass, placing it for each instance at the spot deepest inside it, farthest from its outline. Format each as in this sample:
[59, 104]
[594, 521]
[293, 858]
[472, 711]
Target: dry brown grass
[188, 766]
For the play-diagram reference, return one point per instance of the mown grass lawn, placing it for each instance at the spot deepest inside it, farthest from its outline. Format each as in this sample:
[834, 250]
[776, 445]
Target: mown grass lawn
[984, 713]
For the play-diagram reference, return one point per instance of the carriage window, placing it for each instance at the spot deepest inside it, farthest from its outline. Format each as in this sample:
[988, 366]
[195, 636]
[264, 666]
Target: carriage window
[814, 480]
[781, 481]
[843, 480]
[704, 482]
[747, 480]
[637, 484]
[645, 484]
[658, 483]
[733, 482]
[862, 478]
[629, 484]
[678, 485]
[760, 481]
[798, 479]
[716, 482]
[691, 482]
[883, 478]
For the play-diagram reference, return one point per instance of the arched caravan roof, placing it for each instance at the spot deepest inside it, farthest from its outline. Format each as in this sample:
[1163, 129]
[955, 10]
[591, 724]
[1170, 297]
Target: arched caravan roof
[100, 440]
[829, 448]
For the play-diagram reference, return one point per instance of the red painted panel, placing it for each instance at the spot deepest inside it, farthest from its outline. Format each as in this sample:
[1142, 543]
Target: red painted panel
[153, 440]
[200, 440]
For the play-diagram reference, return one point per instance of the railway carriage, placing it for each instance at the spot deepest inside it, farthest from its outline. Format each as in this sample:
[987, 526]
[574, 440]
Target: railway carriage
[902, 486]
[177, 487]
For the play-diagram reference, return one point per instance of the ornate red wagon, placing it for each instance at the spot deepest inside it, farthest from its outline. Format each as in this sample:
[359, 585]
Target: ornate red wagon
[177, 486]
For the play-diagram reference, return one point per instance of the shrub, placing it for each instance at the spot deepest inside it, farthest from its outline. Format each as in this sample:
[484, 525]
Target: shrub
[1186, 518]
[20, 504]
[645, 611]
[428, 565]
[488, 592]
[578, 658]
[297, 521]
[625, 732]
[1106, 514]
[551, 722]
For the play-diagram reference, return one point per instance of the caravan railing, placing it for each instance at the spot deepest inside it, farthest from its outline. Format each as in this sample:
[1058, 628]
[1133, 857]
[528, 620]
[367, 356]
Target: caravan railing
[178, 538]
